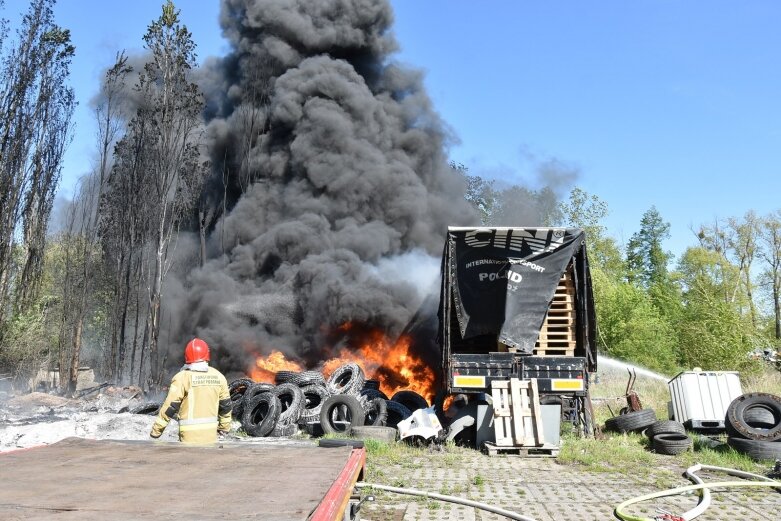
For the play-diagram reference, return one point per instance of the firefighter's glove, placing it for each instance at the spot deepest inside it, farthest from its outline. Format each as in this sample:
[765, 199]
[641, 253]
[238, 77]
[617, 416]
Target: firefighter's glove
[156, 431]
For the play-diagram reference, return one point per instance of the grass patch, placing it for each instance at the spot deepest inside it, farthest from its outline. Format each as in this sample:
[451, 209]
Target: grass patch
[616, 453]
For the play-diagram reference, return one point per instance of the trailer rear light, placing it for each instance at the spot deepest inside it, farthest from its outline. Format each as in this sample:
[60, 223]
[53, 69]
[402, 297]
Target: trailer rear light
[468, 381]
[566, 385]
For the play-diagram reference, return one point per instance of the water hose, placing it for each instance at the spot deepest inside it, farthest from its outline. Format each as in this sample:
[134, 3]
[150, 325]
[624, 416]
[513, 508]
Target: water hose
[451, 499]
[675, 491]
[705, 498]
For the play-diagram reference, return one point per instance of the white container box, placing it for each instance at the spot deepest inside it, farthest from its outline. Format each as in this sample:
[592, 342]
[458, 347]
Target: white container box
[700, 398]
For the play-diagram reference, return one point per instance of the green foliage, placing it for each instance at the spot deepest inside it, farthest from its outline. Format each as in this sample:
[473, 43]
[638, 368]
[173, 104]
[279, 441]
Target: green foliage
[631, 327]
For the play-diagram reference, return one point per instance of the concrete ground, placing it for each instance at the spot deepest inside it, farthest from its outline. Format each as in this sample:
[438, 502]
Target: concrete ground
[545, 490]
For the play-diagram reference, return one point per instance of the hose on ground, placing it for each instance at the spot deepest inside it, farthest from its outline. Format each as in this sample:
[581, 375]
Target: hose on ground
[675, 491]
[451, 499]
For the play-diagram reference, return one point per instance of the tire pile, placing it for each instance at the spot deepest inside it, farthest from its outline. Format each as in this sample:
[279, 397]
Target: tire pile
[753, 425]
[665, 436]
[346, 403]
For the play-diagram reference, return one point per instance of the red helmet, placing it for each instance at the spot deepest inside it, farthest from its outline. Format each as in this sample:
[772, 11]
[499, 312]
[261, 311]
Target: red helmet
[196, 351]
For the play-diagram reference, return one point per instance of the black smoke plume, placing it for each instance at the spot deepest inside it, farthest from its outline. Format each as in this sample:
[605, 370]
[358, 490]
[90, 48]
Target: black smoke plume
[329, 162]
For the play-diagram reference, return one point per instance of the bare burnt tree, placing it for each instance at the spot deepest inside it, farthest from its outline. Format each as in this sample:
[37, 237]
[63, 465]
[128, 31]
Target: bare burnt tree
[37, 104]
[172, 104]
[82, 246]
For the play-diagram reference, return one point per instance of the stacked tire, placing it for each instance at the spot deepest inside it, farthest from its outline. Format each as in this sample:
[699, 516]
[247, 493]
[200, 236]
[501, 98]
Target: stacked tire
[668, 437]
[753, 425]
[631, 421]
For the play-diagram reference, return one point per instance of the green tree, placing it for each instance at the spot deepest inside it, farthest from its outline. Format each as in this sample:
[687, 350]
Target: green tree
[646, 258]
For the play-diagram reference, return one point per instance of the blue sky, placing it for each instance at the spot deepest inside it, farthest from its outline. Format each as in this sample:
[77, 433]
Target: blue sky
[667, 103]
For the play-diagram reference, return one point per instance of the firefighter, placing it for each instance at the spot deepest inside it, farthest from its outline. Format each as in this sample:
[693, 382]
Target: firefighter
[199, 396]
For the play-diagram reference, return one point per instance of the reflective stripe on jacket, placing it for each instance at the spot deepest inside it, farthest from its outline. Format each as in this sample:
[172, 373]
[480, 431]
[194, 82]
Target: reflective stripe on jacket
[202, 401]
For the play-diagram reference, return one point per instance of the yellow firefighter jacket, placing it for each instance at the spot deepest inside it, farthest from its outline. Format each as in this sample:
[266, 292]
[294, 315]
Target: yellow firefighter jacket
[202, 401]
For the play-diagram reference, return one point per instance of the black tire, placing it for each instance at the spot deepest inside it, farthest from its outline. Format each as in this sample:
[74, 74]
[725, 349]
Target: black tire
[396, 413]
[237, 388]
[374, 432]
[376, 413]
[410, 399]
[371, 384]
[671, 443]
[315, 396]
[149, 408]
[371, 394]
[632, 421]
[334, 407]
[338, 442]
[261, 414]
[307, 378]
[346, 379]
[283, 431]
[665, 427]
[251, 392]
[282, 377]
[756, 449]
[292, 399]
[746, 409]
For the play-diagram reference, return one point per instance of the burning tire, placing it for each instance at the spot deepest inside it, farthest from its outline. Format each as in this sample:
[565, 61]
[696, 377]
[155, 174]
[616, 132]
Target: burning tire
[308, 378]
[756, 449]
[755, 416]
[631, 421]
[396, 413]
[150, 408]
[292, 399]
[315, 396]
[376, 413]
[665, 427]
[340, 413]
[346, 379]
[410, 399]
[671, 443]
[261, 414]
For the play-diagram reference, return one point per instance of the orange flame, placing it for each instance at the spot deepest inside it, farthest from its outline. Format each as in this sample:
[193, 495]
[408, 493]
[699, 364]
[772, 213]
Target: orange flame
[266, 368]
[393, 364]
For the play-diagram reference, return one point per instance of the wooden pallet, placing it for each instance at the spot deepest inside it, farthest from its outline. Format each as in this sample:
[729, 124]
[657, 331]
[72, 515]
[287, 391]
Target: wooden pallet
[517, 413]
[526, 452]
[557, 334]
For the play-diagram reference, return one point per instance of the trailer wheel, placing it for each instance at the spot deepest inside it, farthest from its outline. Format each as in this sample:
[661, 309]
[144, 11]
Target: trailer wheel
[396, 413]
[744, 412]
[375, 432]
[756, 449]
[376, 413]
[631, 421]
[341, 412]
[346, 379]
[292, 399]
[671, 443]
[410, 399]
[261, 414]
[664, 427]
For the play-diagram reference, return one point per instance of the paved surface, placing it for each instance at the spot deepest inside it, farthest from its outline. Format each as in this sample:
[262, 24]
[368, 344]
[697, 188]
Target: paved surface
[548, 491]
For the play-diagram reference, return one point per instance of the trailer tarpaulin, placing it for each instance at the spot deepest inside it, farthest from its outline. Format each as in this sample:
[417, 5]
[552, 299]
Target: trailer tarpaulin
[504, 279]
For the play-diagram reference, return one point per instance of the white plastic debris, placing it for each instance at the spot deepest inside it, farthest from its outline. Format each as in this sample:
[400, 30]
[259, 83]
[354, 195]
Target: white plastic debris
[423, 423]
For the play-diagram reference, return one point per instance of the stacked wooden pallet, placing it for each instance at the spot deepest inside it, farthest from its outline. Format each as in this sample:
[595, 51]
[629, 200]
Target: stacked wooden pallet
[557, 334]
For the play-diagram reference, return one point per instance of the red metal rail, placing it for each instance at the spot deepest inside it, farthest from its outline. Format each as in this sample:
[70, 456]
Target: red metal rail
[337, 498]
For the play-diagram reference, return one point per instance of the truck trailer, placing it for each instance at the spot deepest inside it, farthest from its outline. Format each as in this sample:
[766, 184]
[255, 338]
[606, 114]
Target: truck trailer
[517, 302]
